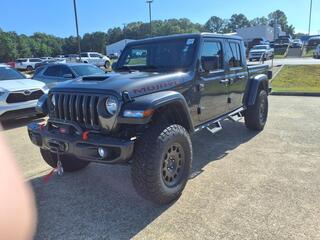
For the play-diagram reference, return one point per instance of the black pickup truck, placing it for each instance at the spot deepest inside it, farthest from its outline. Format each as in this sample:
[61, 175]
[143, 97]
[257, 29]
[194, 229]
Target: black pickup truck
[162, 90]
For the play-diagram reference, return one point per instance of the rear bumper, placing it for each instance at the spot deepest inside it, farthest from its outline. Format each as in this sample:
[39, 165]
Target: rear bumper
[119, 150]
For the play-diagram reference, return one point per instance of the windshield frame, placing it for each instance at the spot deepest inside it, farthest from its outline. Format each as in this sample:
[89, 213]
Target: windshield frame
[21, 76]
[142, 43]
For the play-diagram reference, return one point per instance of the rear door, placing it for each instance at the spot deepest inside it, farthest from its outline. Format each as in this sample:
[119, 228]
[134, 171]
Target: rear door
[237, 73]
[213, 86]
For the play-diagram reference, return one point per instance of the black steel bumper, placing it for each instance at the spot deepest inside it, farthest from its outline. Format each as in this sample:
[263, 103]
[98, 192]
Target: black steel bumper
[119, 150]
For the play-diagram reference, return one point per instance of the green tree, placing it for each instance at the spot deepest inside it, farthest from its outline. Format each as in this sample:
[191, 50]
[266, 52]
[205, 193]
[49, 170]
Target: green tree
[281, 18]
[215, 25]
[259, 21]
[238, 21]
[8, 46]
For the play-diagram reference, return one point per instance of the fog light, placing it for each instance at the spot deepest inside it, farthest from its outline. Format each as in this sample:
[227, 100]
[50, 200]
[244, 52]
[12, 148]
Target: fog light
[102, 152]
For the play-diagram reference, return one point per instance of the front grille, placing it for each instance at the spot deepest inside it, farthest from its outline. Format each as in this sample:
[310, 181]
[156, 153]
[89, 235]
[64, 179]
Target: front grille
[17, 97]
[79, 108]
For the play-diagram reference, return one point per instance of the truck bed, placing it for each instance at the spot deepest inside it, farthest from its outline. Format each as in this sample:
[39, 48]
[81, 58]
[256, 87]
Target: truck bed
[254, 70]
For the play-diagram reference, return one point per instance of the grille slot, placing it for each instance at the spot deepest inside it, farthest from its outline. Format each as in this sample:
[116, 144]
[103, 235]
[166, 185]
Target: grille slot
[17, 97]
[79, 108]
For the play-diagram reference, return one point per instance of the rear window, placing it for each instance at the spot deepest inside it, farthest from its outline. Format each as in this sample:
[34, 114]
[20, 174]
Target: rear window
[20, 60]
[7, 73]
[35, 60]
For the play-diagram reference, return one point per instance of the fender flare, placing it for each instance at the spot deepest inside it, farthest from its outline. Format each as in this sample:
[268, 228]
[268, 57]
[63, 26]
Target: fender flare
[255, 83]
[155, 101]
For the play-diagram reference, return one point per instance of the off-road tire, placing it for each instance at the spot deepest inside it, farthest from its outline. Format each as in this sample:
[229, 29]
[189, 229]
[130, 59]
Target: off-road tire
[256, 116]
[149, 163]
[69, 163]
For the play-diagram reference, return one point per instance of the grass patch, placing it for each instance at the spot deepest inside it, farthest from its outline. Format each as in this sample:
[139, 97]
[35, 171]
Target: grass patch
[279, 56]
[302, 78]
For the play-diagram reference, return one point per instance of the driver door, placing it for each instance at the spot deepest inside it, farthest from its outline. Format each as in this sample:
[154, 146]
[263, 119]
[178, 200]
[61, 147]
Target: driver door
[212, 85]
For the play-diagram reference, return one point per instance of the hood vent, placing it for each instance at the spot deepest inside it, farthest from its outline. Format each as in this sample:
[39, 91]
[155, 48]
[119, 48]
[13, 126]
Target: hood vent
[95, 78]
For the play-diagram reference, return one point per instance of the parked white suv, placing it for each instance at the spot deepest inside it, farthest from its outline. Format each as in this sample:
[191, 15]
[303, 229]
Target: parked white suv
[27, 63]
[317, 52]
[260, 52]
[95, 59]
[18, 95]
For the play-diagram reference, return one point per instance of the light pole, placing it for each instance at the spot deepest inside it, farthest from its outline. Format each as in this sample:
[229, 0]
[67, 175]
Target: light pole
[77, 27]
[310, 17]
[125, 33]
[150, 17]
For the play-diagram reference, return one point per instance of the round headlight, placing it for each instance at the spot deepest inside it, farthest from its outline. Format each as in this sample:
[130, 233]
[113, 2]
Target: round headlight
[112, 105]
[53, 101]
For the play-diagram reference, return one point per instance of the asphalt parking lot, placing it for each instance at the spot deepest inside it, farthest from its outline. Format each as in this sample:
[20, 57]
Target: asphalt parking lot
[244, 186]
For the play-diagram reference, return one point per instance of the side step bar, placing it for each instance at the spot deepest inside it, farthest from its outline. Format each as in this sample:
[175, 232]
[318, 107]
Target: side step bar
[215, 126]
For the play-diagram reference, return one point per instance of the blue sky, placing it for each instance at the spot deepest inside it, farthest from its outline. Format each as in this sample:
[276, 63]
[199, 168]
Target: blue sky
[56, 16]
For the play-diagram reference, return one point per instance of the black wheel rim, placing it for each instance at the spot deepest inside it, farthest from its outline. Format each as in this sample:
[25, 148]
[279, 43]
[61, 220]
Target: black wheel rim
[173, 165]
[263, 110]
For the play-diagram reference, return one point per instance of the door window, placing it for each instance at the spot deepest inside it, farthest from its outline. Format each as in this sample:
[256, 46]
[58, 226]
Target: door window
[53, 71]
[212, 49]
[65, 70]
[234, 54]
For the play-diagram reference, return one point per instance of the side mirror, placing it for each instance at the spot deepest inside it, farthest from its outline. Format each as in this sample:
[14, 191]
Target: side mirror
[114, 66]
[69, 76]
[210, 63]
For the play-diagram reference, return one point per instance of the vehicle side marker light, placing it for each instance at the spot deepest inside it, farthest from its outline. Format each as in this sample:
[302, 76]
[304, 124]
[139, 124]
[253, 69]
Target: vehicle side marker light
[85, 135]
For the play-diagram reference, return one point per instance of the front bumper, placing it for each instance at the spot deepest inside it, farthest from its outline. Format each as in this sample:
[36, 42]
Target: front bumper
[6, 107]
[46, 137]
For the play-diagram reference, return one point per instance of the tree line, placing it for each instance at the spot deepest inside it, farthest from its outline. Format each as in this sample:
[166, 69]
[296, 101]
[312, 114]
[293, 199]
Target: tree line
[13, 45]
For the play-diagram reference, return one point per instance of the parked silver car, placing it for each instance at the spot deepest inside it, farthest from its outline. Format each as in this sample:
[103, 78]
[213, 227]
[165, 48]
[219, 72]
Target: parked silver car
[18, 95]
[52, 74]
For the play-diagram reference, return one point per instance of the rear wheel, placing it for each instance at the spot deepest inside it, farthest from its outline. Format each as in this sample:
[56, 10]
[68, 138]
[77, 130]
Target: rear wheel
[69, 163]
[29, 68]
[256, 116]
[107, 64]
[162, 162]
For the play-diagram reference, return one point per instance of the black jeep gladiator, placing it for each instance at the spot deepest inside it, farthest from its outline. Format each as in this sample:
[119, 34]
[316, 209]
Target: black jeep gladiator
[162, 90]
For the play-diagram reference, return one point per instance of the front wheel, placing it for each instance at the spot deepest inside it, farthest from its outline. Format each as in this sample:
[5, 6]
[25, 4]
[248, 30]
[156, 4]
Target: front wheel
[161, 163]
[256, 116]
[69, 163]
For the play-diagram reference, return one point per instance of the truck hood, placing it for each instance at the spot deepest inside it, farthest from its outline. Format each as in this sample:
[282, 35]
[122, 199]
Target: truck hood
[20, 84]
[135, 83]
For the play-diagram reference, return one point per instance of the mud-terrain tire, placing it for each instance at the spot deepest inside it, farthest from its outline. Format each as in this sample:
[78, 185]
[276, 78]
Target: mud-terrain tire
[256, 116]
[69, 163]
[162, 163]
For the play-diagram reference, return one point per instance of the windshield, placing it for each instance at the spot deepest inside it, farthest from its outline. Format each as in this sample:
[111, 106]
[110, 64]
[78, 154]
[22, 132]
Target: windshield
[260, 47]
[7, 73]
[173, 54]
[84, 70]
